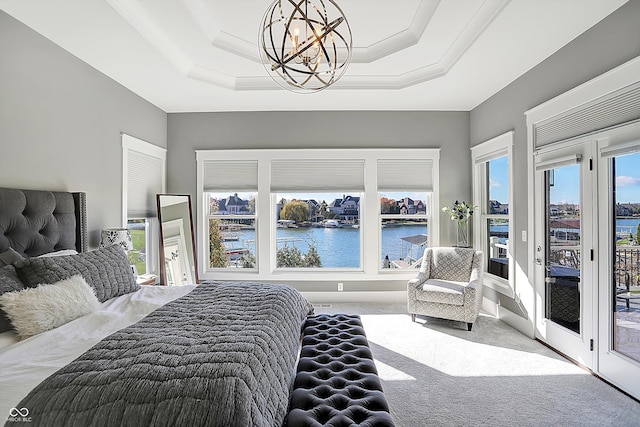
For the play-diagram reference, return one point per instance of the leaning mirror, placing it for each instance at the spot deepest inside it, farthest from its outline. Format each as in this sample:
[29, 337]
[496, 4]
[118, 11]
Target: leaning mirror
[178, 264]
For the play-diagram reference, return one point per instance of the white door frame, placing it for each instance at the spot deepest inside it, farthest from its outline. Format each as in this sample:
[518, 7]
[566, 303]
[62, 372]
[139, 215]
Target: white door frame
[577, 346]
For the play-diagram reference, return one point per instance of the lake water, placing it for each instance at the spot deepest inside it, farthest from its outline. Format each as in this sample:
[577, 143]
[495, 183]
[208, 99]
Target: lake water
[340, 247]
[627, 225]
[337, 247]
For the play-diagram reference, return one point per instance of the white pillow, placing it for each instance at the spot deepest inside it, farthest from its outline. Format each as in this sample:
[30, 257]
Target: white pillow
[36, 310]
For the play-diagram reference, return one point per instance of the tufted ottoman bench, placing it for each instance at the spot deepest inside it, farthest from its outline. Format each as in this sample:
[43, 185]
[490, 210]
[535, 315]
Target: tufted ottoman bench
[337, 382]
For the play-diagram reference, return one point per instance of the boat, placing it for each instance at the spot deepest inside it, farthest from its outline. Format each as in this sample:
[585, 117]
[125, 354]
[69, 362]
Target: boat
[331, 223]
[235, 254]
[286, 223]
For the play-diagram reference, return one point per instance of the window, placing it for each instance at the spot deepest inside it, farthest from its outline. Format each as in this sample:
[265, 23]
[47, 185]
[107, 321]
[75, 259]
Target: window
[404, 231]
[318, 230]
[404, 191]
[143, 178]
[493, 195]
[139, 236]
[294, 212]
[231, 213]
[331, 188]
[232, 230]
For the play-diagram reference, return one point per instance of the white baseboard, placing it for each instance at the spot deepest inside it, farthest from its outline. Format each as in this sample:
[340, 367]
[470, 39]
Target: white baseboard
[389, 297]
[519, 323]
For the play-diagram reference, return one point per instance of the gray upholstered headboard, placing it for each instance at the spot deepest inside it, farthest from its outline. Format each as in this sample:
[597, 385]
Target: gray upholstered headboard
[34, 222]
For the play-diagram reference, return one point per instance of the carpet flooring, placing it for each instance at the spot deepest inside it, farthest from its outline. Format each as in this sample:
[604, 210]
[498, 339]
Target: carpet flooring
[435, 373]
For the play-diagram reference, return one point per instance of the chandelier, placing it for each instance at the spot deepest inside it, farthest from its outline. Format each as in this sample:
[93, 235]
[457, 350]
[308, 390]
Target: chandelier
[305, 45]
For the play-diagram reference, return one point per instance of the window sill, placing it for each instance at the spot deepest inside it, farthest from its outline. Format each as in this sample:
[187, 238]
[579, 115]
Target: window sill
[309, 276]
[498, 284]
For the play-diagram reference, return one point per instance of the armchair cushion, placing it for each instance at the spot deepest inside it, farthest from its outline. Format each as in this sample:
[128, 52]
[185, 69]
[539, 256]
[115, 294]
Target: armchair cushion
[442, 291]
[451, 264]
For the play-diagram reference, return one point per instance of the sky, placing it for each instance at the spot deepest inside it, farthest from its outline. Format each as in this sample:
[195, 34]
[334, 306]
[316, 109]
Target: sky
[565, 189]
[628, 178]
[499, 180]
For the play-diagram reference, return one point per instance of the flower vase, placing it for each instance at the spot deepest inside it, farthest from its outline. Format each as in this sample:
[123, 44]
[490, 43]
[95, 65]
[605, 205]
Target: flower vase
[462, 234]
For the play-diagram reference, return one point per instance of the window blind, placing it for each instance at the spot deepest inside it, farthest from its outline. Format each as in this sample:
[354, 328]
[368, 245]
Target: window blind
[144, 179]
[405, 175]
[317, 175]
[558, 162]
[492, 156]
[230, 175]
[621, 149]
[618, 107]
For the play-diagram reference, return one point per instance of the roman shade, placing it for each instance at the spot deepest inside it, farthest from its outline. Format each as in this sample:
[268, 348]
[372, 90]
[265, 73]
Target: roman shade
[558, 162]
[144, 168]
[621, 149]
[230, 175]
[405, 175]
[621, 106]
[317, 174]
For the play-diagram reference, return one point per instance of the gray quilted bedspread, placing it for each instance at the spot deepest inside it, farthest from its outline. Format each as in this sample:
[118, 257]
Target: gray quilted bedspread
[223, 355]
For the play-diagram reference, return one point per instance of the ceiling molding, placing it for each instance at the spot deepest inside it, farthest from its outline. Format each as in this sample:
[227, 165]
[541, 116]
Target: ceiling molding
[481, 20]
[142, 22]
[401, 40]
[139, 18]
[447, 55]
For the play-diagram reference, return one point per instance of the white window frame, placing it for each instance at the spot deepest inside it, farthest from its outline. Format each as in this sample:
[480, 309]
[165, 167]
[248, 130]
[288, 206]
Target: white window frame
[266, 213]
[481, 154]
[132, 146]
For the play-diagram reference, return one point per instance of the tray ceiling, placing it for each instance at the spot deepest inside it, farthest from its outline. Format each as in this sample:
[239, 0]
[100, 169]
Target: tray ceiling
[202, 55]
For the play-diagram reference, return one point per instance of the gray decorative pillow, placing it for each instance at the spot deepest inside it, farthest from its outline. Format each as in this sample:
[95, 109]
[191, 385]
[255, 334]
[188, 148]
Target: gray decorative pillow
[9, 282]
[36, 310]
[107, 270]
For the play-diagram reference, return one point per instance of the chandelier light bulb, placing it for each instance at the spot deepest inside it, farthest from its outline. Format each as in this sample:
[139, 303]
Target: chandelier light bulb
[305, 45]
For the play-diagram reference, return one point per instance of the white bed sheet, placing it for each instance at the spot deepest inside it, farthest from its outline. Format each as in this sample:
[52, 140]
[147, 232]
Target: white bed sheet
[25, 364]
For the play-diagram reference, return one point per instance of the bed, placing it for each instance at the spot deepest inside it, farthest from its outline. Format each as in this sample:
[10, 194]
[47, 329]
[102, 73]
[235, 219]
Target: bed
[221, 353]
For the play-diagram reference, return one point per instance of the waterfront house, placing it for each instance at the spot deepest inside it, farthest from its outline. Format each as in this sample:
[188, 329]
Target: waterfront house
[233, 205]
[347, 208]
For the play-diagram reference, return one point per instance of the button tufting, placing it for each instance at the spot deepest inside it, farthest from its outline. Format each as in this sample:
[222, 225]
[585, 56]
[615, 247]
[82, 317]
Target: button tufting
[337, 382]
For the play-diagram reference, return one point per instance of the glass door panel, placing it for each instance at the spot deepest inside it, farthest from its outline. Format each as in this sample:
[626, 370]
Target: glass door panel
[563, 246]
[564, 271]
[625, 311]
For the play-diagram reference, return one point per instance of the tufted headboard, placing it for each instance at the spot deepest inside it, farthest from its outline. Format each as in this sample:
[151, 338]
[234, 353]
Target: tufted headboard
[34, 222]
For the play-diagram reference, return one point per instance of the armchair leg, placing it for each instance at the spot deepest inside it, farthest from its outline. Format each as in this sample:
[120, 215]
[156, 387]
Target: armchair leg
[469, 325]
[413, 317]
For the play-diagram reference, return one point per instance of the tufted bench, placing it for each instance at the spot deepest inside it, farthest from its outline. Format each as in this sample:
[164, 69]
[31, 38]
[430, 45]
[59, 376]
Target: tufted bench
[337, 382]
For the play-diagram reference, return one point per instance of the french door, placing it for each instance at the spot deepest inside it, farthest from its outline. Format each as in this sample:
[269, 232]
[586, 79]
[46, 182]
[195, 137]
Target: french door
[587, 252]
[619, 258]
[564, 246]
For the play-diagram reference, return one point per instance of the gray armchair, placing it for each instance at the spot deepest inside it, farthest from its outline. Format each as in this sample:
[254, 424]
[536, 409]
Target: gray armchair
[448, 286]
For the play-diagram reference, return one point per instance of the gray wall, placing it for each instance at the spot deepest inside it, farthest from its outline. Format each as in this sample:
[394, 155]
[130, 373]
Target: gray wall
[60, 123]
[613, 41]
[326, 129]
[335, 129]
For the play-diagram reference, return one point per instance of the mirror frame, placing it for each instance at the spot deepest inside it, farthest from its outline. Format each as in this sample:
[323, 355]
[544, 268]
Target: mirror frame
[163, 272]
